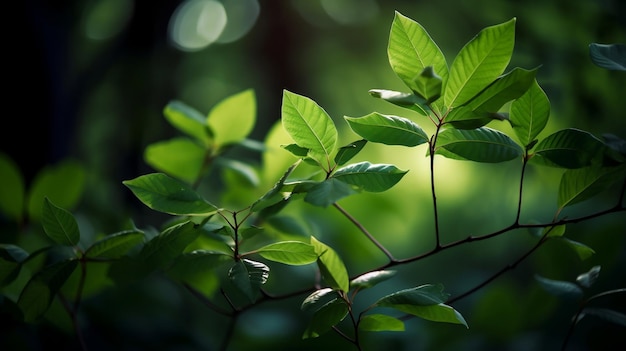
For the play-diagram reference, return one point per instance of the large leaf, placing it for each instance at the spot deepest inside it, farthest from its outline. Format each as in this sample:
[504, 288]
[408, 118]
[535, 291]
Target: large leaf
[163, 193]
[380, 322]
[479, 63]
[325, 318]
[411, 50]
[370, 279]
[188, 120]
[331, 266]
[59, 224]
[233, 118]
[115, 245]
[389, 130]
[328, 192]
[309, 126]
[370, 177]
[38, 293]
[608, 56]
[580, 184]
[288, 252]
[13, 189]
[529, 114]
[181, 157]
[248, 276]
[481, 145]
[568, 148]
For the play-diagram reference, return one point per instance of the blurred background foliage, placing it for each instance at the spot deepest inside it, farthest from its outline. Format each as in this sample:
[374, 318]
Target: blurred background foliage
[90, 80]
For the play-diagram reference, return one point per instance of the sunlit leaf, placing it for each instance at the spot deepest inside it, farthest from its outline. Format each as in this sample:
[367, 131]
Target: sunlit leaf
[389, 130]
[288, 252]
[248, 276]
[568, 148]
[243, 169]
[380, 322]
[179, 157]
[318, 298]
[370, 279]
[589, 278]
[331, 266]
[608, 315]
[428, 84]
[233, 118]
[11, 257]
[560, 288]
[325, 318]
[37, 295]
[580, 184]
[406, 100]
[163, 193]
[480, 145]
[370, 177]
[59, 224]
[346, 153]
[187, 120]
[479, 63]
[555, 231]
[309, 126]
[115, 245]
[529, 114]
[608, 56]
[12, 195]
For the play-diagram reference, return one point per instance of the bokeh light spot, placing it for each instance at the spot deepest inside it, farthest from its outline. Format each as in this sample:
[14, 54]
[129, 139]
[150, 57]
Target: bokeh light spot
[350, 12]
[197, 24]
[107, 18]
[242, 15]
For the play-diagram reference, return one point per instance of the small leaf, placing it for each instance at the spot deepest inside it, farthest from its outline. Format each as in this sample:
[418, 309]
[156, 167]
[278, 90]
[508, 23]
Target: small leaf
[370, 279]
[163, 248]
[197, 269]
[389, 130]
[289, 252]
[115, 245]
[560, 288]
[331, 266]
[568, 148]
[609, 56]
[325, 318]
[248, 276]
[274, 195]
[583, 251]
[318, 298]
[406, 100]
[187, 120]
[59, 224]
[296, 150]
[163, 193]
[346, 153]
[606, 314]
[370, 177]
[380, 322]
[480, 145]
[529, 114]
[328, 192]
[179, 157]
[589, 278]
[233, 118]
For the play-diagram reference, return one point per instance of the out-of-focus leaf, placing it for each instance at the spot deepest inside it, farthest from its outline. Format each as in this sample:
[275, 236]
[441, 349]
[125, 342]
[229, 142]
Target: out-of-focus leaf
[389, 130]
[568, 148]
[274, 195]
[11, 257]
[331, 266]
[606, 314]
[608, 56]
[163, 248]
[187, 120]
[370, 177]
[245, 170]
[583, 251]
[233, 118]
[325, 318]
[529, 114]
[59, 224]
[560, 288]
[480, 145]
[380, 322]
[248, 276]
[179, 157]
[115, 245]
[197, 269]
[370, 279]
[13, 189]
[589, 278]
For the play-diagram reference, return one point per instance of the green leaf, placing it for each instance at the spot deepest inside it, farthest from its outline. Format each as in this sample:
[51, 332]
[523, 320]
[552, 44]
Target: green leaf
[608, 56]
[380, 322]
[370, 177]
[318, 298]
[370, 279]
[274, 195]
[325, 318]
[163, 193]
[62, 183]
[163, 248]
[331, 266]
[568, 148]
[555, 231]
[507, 87]
[187, 120]
[589, 278]
[606, 314]
[406, 100]
[346, 153]
[580, 184]
[233, 118]
[179, 157]
[479, 63]
[423, 295]
[245, 170]
[37, 295]
[309, 126]
[481, 145]
[59, 224]
[428, 84]
[248, 276]
[583, 251]
[411, 50]
[289, 252]
[13, 189]
[115, 245]
[529, 114]
[328, 192]
[11, 257]
[389, 130]
[560, 288]
[296, 150]
[197, 269]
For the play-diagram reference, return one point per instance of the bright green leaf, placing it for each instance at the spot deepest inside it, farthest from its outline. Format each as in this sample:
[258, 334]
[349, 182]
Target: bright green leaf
[59, 224]
[568, 148]
[325, 318]
[179, 157]
[370, 177]
[480, 145]
[115, 245]
[274, 195]
[233, 118]
[248, 276]
[165, 194]
[289, 252]
[331, 266]
[370, 279]
[187, 120]
[389, 130]
[245, 170]
[380, 322]
[529, 114]
[13, 189]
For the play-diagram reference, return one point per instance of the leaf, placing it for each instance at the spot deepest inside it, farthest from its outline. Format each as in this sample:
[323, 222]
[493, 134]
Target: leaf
[163, 248]
[406, 100]
[481, 145]
[325, 318]
[370, 279]
[346, 153]
[37, 295]
[568, 148]
[555, 231]
[580, 184]
[13, 191]
[411, 50]
[423, 295]
[274, 195]
[318, 298]
[248, 276]
[187, 120]
[428, 84]
[163, 193]
[59, 224]
[289, 252]
[245, 170]
[328, 192]
[370, 177]
[589, 278]
[115, 245]
[233, 118]
[331, 266]
[389, 130]
[197, 269]
[11, 257]
[560, 288]
[606, 314]
[608, 56]
[380, 322]
[479, 63]
[583, 251]
[179, 157]
[529, 114]
[309, 126]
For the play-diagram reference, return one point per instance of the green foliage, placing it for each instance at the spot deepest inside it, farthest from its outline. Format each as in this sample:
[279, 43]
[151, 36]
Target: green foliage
[210, 246]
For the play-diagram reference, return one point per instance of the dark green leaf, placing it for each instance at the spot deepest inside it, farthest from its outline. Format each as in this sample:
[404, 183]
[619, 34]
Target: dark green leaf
[480, 145]
[197, 269]
[568, 148]
[328, 192]
[583, 251]
[370, 177]
[380, 322]
[580, 184]
[424, 295]
[59, 224]
[248, 276]
[115, 245]
[11, 257]
[606, 314]
[318, 298]
[389, 130]
[331, 266]
[609, 56]
[346, 153]
[325, 318]
[274, 195]
[163, 248]
[560, 288]
[406, 100]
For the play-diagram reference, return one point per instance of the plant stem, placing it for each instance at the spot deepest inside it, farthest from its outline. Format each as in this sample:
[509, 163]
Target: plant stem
[365, 231]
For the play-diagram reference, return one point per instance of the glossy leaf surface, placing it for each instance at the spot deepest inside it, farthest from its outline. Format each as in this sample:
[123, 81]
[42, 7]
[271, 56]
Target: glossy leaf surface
[380, 322]
[480, 145]
[370, 177]
[331, 266]
[115, 245]
[389, 130]
[289, 252]
[248, 276]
